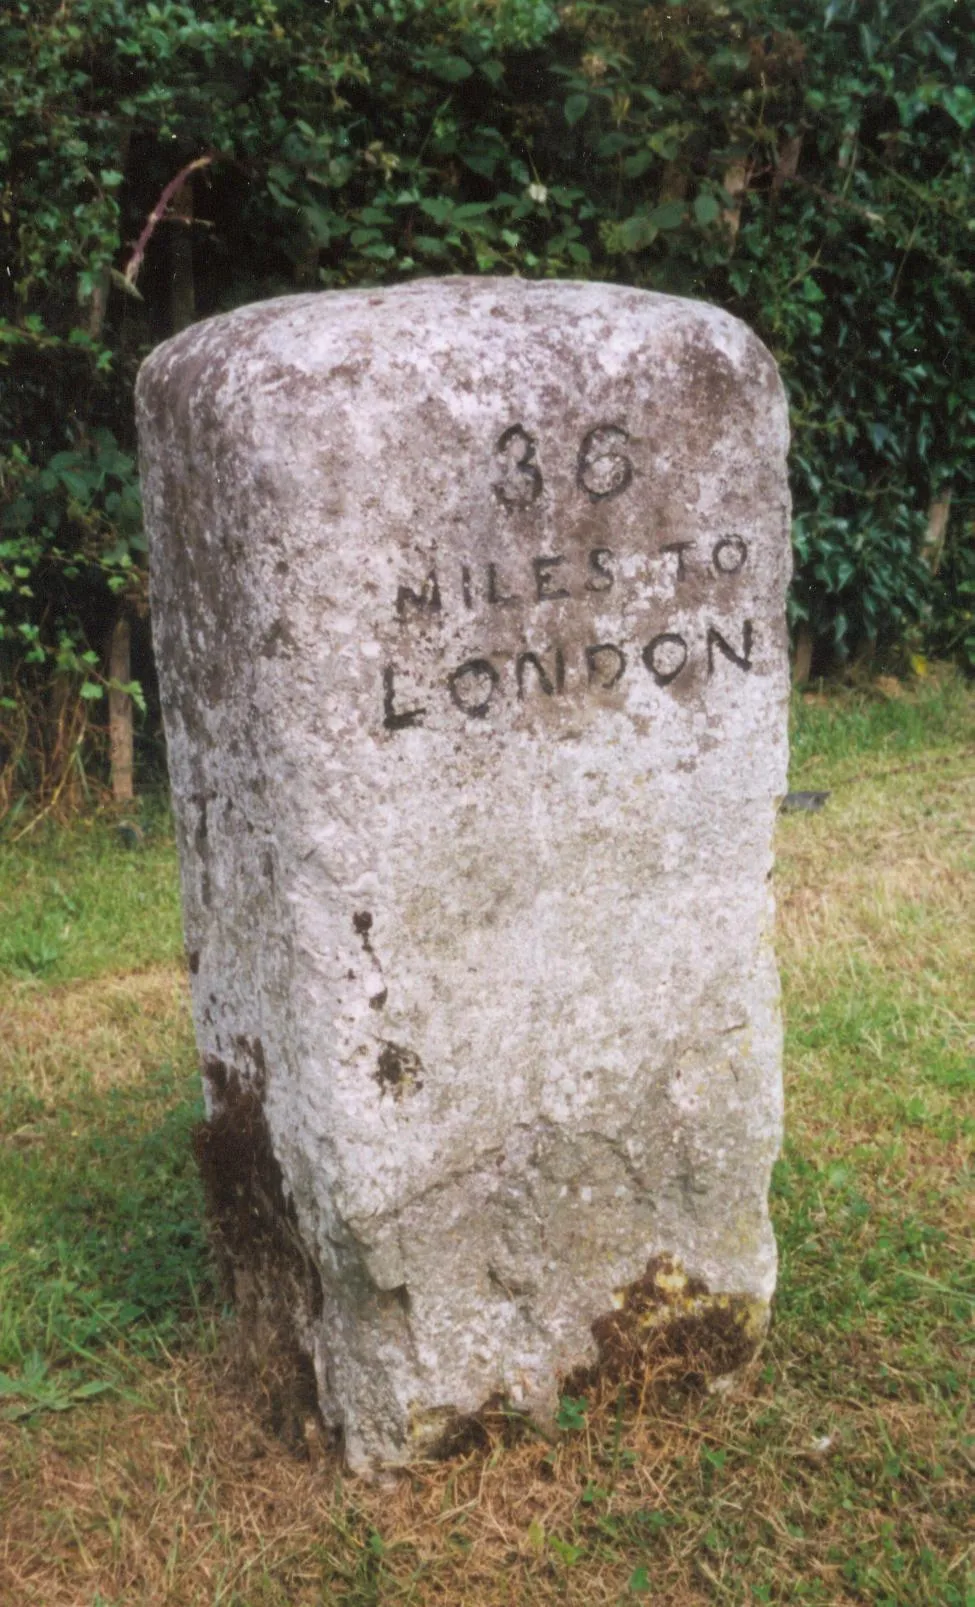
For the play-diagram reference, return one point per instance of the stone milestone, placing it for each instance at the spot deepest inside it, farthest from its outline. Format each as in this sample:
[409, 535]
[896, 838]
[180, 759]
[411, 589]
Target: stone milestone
[468, 601]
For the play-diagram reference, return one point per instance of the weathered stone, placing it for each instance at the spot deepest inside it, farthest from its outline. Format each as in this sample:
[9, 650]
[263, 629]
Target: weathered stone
[469, 612]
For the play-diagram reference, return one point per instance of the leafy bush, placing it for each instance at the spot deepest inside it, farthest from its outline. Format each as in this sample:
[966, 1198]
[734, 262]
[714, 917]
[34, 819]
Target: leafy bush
[810, 169]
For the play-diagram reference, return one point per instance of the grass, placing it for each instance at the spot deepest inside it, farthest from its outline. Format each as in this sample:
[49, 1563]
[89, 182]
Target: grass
[135, 1473]
[101, 1246]
[79, 903]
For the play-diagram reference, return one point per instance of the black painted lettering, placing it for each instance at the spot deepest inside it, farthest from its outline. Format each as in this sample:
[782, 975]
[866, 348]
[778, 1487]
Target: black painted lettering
[521, 478]
[465, 586]
[716, 640]
[603, 469]
[494, 594]
[679, 547]
[605, 663]
[391, 719]
[665, 657]
[729, 555]
[424, 601]
[601, 578]
[467, 687]
[522, 663]
[559, 670]
[546, 590]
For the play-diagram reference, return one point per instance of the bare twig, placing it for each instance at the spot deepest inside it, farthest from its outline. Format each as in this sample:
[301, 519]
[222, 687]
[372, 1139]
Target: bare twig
[159, 212]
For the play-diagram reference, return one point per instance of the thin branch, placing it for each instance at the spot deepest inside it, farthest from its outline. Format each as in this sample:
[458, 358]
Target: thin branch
[159, 212]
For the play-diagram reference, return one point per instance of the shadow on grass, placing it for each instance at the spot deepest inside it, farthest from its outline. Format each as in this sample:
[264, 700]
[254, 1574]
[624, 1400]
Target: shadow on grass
[104, 1246]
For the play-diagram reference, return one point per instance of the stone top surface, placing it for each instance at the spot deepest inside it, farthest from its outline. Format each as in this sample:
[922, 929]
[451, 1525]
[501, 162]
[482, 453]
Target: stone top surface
[567, 512]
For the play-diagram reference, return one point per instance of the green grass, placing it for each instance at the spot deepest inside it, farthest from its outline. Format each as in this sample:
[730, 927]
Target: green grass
[838, 1471]
[100, 1214]
[102, 1248]
[834, 735]
[76, 902]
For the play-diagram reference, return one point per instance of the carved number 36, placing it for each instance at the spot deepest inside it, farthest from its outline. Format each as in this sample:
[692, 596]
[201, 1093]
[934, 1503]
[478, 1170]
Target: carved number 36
[603, 469]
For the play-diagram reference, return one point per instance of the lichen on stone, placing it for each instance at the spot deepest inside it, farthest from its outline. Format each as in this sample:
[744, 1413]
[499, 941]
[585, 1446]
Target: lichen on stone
[667, 1313]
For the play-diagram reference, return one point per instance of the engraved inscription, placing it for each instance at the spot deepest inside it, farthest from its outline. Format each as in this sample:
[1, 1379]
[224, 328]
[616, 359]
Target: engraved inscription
[556, 577]
[546, 588]
[523, 662]
[495, 591]
[605, 663]
[716, 640]
[392, 719]
[729, 555]
[665, 657]
[477, 684]
[601, 576]
[603, 469]
[521, 479]
[526, 586]
[426, 600]
[679, 547]
[472, 687]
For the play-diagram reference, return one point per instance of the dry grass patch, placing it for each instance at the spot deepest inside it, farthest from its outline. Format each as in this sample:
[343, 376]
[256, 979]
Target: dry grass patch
[109, 1033]
[183, 1501]
[881, 872]
[876, 937]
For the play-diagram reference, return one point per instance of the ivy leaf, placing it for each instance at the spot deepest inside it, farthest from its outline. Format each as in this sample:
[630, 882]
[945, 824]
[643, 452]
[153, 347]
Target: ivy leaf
[612, 144]
[479, 162]
[319, 224]
[669, 215]
[638, 163]
[706, 209]
[637, 232]
[959, 103]
[666, 142]
[879, 435]
[576, 107]
[452, 69]
[78, 484]
[428, 245]
[437, 207]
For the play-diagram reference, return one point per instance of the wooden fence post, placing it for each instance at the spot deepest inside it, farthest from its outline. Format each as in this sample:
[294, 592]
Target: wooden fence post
[120, 710]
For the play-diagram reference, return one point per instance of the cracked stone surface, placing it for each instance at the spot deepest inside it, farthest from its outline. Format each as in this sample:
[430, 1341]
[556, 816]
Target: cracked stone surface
[468, 601]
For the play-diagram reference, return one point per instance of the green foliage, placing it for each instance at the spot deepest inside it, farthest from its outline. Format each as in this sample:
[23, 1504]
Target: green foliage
[571, 1415]
[809, 169]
